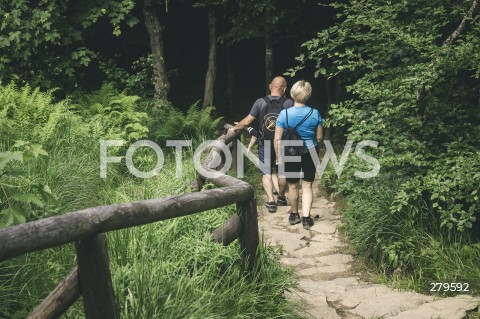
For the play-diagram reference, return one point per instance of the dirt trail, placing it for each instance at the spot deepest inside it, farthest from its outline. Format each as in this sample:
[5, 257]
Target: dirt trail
[329, 288]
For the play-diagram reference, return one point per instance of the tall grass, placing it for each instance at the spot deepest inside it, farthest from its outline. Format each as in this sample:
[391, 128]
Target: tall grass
[411, 248]
[170, 269]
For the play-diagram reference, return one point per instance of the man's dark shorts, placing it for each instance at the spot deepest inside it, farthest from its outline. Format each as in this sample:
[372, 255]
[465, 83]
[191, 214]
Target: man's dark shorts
[266, 168]
[307, 166]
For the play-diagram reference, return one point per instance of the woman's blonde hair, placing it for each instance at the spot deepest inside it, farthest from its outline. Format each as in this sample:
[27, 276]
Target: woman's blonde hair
[301, 91]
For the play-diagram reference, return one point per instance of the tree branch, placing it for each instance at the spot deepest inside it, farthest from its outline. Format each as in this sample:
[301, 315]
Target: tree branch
[461, 26]
[451, 38]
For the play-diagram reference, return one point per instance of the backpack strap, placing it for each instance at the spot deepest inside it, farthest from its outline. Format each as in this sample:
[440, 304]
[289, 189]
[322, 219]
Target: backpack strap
[280, 100]
[301, 122]
[264, 109]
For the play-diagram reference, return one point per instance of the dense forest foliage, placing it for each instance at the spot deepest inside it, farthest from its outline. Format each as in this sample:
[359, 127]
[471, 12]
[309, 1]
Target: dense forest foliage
[402, 73]
[411, 72]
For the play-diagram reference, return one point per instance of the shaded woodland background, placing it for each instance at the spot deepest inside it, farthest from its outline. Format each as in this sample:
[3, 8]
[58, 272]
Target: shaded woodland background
[403, 73]
[98, 41]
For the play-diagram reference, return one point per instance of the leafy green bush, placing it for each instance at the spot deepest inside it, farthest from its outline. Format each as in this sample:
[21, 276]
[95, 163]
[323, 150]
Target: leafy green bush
[450, 191]
[415, 93]
[18, 193]
[140, 81]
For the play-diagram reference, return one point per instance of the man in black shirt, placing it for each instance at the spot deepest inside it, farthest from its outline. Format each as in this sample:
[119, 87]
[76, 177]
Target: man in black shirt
[266, 110]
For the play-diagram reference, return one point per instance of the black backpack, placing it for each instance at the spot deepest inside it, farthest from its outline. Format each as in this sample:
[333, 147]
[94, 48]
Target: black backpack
[291, 134]
[268, 117]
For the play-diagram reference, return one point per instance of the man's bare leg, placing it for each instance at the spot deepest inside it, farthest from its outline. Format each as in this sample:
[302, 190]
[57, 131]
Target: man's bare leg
[275, 182]
[268, 187]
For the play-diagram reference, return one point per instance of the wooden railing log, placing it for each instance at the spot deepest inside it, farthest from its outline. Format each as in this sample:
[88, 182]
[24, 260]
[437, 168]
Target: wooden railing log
[228, 232]
[92, 278]
[227, 139]
[62, 229]
[249, 238]
[60, 299]
[234, 151]
[95, 278]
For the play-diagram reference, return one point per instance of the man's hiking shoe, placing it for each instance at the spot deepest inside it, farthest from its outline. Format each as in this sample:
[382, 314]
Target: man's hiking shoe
[281, 201]
[271, 207]
[307, 222]
[294, 218]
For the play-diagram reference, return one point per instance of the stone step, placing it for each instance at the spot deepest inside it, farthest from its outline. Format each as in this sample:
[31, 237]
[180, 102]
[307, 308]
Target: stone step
[328, 288]
[447, 308]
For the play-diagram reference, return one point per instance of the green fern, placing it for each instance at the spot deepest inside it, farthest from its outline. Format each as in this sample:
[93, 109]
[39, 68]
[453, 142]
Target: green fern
[30, 114]
[197, 123]
[113, 114]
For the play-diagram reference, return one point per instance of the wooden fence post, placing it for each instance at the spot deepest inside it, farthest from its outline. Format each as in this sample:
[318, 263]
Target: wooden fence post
[234, 155]
[95, 279]
[249, 238]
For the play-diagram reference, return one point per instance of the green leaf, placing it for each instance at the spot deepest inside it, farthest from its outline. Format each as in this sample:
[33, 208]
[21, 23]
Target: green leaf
[37, 150]
[28, 198]
[12, 214]
[20, 143]
[46, 194]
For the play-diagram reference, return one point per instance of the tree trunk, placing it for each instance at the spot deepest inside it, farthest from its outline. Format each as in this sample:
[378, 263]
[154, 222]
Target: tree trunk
[212, 53]
[230, 80]
[154, 28]
[268, 49]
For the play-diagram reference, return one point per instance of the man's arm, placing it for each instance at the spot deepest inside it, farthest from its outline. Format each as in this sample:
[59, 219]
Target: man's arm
[242, 124]
[250, 145]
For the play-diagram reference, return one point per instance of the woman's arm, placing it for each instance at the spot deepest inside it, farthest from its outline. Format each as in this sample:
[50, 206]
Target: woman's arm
[319, 134]
[276, 141]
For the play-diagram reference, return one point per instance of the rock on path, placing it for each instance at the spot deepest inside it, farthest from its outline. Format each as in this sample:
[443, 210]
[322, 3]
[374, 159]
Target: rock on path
[329, 289]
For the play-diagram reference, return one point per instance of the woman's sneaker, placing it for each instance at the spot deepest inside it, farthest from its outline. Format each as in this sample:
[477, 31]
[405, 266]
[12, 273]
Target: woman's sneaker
[271, 207]
[281, 201]
[294, 218]
[307, 222]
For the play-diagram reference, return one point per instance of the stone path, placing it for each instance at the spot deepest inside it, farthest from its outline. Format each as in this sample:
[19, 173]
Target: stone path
[330, 289]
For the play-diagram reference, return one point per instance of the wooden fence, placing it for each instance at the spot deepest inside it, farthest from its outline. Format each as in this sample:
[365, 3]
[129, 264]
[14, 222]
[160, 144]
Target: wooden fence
[91, 278]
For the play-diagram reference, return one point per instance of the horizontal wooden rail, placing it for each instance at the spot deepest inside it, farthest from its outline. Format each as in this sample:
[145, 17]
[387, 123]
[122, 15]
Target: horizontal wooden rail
[85, 227]
[60, 299]
[229, 231]
[62, 229]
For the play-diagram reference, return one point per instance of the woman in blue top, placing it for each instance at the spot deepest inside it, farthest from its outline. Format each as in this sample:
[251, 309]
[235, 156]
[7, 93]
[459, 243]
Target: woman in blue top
[311, 133]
